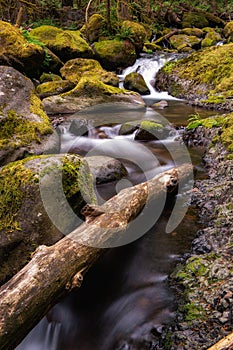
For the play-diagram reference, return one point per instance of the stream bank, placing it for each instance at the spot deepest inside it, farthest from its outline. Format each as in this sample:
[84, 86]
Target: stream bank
[203, 282]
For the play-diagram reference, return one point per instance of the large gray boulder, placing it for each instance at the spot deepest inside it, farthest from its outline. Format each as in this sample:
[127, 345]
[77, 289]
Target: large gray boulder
[41, 199]
[24, 126]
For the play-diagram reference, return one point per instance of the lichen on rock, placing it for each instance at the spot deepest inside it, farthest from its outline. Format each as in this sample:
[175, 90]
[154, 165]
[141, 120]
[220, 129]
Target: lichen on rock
[66, 44]
[21, 187]
[205, 77]
[16, 51]
[115, 55]
[24, 125]
[75, 69]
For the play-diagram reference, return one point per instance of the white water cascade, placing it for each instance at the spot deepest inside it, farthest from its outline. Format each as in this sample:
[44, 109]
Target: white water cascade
[148, 66]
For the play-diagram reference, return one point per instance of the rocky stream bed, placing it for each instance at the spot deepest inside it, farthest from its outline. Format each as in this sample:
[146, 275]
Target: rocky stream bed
[203, 280]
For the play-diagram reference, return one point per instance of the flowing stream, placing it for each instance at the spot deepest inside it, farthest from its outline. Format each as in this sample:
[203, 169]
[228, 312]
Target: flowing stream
[125, 298]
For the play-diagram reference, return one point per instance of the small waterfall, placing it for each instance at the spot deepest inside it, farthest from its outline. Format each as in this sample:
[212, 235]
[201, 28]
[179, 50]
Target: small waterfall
[148, 66]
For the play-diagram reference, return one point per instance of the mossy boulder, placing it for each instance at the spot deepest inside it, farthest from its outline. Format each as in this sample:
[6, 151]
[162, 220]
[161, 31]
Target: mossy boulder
[56, 87]
[151, 130]
[193, 32]
[205, 76]
[134, 81]
[228, 31]
[45, 77]
[180, 41]
[95, 27]
[211, 38]
[77, 68]
[193, 19]
[66, 44]
[24, 126]
[136, 33]
[88, 92]
[145, 130]
[151, 47]
[115, 55]
[17, 52]
[29, 190]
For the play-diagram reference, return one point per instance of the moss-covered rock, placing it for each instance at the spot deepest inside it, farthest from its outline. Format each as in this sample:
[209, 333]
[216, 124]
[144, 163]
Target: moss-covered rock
[17, 52]
[205, 76]
[136, 33]
[134, 81]
[66, 44]
[193, 19]
[77, 68]
[225, 122]
[89, 92]
[193, 32]
[180, 41]
[25, 220]
[146, 130]
[45, 77]
[151, 47]
[211, 38]
[228, 31]
[95, 27]
[56, 87]
[24, 126]
[115, 54]
[151, 130]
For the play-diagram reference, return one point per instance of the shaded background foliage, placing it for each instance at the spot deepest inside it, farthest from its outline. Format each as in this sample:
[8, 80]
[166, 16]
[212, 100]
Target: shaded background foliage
[154, 13]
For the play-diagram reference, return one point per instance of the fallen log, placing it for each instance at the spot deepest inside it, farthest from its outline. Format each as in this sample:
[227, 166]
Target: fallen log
[224, 344]
[54, 271]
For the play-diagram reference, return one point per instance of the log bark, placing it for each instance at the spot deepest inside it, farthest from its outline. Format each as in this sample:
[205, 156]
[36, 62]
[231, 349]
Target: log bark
[56, 270]
[224, 344]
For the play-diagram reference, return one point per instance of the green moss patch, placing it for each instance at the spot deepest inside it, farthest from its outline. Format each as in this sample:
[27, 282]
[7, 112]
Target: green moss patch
[14, 179]
[93, 87]
[225, 122]
[16, 131]
[207, 72]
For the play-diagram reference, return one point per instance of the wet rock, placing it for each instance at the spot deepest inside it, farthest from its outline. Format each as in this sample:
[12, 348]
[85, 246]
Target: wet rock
[135, 82]
[204, 316]
[38, 199]
[25, 129]
[105, 169]
[160, 104]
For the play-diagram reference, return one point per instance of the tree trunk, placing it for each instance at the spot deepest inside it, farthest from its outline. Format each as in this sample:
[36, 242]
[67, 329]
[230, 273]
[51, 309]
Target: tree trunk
[55, 270]
[109, 15]
[67, 3]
